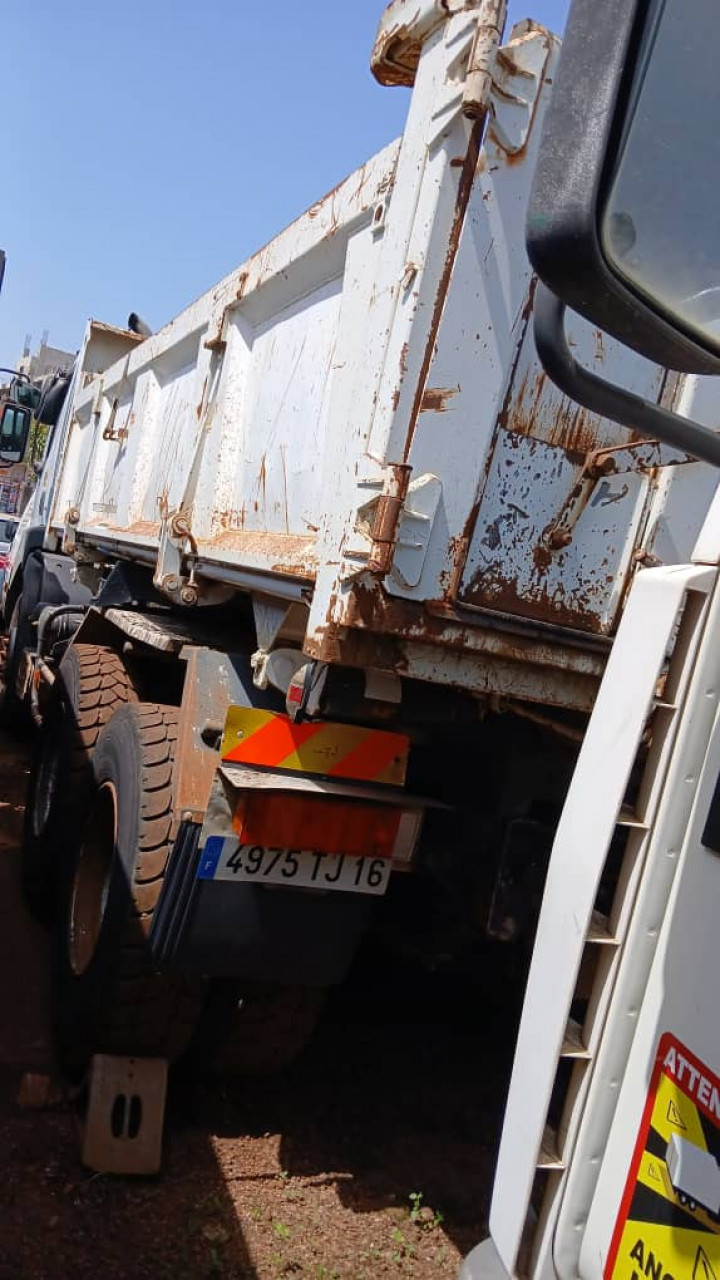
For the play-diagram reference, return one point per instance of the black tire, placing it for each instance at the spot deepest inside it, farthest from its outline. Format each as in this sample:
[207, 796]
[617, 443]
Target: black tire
[13, 713]
[91, 683]
[255, 1029]
[108, 997]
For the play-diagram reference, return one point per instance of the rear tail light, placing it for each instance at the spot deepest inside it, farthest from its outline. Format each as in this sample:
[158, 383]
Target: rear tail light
[294, 821]
[4, 560]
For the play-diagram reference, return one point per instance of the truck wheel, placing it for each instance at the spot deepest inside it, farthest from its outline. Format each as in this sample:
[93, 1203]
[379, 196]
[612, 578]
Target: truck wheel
[13, 714]
[91, 683]
[108, 997]
[258, 1029]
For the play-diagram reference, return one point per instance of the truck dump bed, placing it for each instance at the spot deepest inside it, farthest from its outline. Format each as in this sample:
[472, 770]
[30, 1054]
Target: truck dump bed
[355, 421]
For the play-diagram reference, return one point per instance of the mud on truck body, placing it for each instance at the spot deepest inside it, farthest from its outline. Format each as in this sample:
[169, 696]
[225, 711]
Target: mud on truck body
[320, 583]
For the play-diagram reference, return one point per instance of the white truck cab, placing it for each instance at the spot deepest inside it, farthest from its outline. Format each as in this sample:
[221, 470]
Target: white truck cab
[608, 1164]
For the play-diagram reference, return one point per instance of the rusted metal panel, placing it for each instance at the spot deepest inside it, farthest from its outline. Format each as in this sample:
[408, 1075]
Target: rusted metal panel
[531, 553]
[211, 685]
[231, 435]
[355, 419]
[403, 29]
[532, 521]
[513, 565]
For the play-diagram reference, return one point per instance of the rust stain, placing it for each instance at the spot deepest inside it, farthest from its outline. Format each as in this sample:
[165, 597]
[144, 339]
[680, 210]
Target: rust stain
[542, 558]
[465, 185]
[395, 57]
[286, 553]
[295, 570]
[458, 548]
[329, 196]
[369, 608]
[530, 412]
[507, 62]
[199, 408]
[287, 546]
[511, 158]
[524, 319]
[139, 529]
[538, 603]
[262, 477]
[374, 629]
[386, 518]
[435, 399]
[574, 430]
[205, 699]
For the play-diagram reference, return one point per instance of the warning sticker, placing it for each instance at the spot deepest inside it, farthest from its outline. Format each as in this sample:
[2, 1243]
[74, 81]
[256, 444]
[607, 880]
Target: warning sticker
[668, 1227]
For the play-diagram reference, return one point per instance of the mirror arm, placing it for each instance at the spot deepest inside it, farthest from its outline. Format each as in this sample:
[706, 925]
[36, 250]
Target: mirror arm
[607, 400]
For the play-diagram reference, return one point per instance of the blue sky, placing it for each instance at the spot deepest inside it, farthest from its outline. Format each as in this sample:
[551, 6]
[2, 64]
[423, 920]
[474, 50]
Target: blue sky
[150, 147]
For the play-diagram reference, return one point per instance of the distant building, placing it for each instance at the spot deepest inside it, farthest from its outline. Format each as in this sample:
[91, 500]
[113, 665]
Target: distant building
[45, 360]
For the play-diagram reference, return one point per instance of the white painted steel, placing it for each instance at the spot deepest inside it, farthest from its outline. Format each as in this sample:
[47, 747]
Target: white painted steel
[388, 327]
[663, 813]
[102, 345]
[666, 809]
[641, 992]
[579, 852]
[680, 995]
[183, 413]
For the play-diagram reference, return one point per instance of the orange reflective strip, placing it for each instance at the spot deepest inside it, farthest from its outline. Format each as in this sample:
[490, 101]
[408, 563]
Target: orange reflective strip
[311, 822]
[370, 759]
[331, 744]
[274, 742]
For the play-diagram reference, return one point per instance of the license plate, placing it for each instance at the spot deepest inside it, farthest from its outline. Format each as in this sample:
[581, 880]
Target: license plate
[224, 858]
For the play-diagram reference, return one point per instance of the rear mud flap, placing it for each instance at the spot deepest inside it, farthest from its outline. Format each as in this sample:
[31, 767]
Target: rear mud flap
[252, 932]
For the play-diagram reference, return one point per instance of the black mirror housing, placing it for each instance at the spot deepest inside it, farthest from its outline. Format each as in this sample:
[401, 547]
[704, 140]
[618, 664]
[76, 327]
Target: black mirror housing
[581, 137]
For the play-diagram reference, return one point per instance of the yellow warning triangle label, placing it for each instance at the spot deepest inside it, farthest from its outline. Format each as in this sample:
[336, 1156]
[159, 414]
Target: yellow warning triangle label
[674, 1116]
[652, 1172]
[703, 1270]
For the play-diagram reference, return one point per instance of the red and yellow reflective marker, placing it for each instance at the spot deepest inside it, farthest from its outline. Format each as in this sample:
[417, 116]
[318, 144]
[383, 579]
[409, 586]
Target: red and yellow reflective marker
[273, 741]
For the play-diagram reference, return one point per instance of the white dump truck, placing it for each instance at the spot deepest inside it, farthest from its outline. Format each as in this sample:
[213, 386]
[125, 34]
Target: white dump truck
[319, 586]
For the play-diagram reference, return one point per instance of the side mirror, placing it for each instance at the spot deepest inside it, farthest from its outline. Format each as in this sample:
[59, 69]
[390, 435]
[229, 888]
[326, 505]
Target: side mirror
[52, 400]
[26, 393]
[622, 225]
[14, 431]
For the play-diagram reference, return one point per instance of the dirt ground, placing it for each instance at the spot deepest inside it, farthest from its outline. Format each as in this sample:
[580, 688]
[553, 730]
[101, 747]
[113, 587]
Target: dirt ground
[372, 1157]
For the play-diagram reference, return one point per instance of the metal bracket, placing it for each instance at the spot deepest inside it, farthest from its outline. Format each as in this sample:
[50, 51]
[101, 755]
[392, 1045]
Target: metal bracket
[517, 76]
[276, 668]
[481, 64]
[177, 546]
[72, 520]
[416, 522]
[109, 432]
[614, 461]
[397, 524]
[386, 509]
[123, 1129]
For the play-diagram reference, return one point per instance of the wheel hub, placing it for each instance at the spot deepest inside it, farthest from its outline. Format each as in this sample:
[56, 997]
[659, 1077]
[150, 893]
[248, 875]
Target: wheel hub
[91, 882]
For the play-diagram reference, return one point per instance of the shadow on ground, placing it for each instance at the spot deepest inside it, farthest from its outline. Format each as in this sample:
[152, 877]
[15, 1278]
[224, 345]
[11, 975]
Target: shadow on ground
[371, 1157]
[57, 1219]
